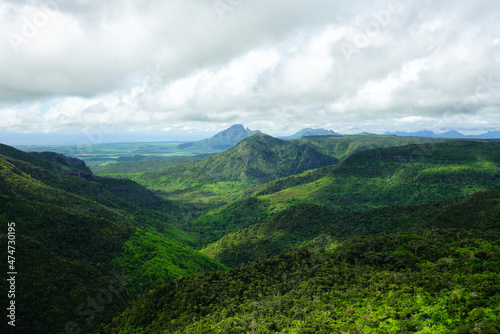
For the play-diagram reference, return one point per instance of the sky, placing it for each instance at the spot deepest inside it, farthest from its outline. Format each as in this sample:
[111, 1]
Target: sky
[187, 69]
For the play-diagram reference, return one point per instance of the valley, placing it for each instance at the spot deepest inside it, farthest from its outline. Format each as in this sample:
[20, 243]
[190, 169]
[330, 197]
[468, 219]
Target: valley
[245, 232]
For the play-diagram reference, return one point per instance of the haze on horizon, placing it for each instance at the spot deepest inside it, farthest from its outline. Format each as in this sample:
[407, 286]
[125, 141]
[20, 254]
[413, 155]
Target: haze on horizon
[192, 68]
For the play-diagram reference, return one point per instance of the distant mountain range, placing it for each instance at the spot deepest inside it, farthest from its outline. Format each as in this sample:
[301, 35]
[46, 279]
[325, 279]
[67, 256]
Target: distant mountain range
[448, 134]
[228, 138]
[308, 132]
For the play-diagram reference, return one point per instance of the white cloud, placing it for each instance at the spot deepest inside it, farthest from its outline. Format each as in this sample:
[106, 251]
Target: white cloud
[176, 65]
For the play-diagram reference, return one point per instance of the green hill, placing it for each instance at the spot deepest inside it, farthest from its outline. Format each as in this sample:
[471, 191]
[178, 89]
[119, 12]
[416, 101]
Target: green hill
[425, 281]
[253, 161]
[74, 231]
[310, 225]
[397, 175]
[369, 234]
[256, 160]
[345, 146]
[366, 180]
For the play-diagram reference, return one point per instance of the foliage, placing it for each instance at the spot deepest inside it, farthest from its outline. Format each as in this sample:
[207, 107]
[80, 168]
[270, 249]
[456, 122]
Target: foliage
[313, 226]
[255, 160]
[434, 269]
[153, 260]
[52, 293]
[425, 281]
[367, 180]
[74, 229]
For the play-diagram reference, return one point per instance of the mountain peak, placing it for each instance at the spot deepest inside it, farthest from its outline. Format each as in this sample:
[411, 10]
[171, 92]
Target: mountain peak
[237, 127]
[221, 141]
[236, 130]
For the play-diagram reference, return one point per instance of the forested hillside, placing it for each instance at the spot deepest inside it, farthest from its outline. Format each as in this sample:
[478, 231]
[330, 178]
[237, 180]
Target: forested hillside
[314, 226]
[426, 281]
[253, 161]
[368, 234]
[365, 180]
[75, 232]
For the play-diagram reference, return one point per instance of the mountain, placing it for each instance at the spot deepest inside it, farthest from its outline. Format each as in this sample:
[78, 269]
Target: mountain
[425, 133]
[370, 179]
[448, 134]
[451, 134]
[253, 161]
[256, 160]
[488, 135]
[409, 268]
[85, 245]
[305, 225]
[308, 132]
[411, 174]
[221, 141]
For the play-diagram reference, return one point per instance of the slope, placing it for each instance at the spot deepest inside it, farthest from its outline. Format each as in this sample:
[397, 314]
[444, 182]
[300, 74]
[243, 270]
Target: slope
[76, 224]
[310, 225]
[253, 161]
[399, 175]
[408, 175]
[426, 281]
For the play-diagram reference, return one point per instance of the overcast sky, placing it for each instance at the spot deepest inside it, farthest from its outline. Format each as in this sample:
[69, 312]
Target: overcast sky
[197, 66]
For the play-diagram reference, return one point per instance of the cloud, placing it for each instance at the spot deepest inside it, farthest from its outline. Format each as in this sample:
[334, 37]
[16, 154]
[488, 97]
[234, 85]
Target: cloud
[276, 66]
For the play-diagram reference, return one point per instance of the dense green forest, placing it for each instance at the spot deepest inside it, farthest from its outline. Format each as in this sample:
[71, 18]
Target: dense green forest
[255, 161]
[349, 234]
[75, 231]
[314, 226]
[365, 180]
[426, 280]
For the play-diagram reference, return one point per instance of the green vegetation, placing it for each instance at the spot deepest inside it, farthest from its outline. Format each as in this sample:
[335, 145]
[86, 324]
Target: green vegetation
[132, 167]
[314, 226]
[75, 230]
[397, 176]
[153, 260]
[354, 234]
[367, 180]
[253, 161]
[344, 146]
[53, 293]
[425, 281]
